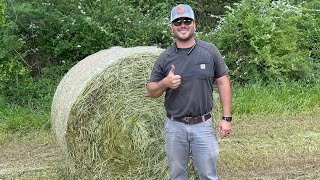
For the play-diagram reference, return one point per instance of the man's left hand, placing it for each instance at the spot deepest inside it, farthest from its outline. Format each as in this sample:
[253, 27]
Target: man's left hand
[224, 128]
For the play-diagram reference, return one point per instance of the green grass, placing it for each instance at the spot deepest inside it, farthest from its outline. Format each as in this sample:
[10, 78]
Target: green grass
[257, 101]
[24, 118]
[276, 100]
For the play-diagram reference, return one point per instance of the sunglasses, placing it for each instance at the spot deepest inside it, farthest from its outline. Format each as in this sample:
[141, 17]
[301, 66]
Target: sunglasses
[178, 22]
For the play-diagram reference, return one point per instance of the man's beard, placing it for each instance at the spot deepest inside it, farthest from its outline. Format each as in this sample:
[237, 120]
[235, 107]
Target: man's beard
[184, 39]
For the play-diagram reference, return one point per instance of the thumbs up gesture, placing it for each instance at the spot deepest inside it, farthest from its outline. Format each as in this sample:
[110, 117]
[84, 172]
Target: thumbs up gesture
[172, 81]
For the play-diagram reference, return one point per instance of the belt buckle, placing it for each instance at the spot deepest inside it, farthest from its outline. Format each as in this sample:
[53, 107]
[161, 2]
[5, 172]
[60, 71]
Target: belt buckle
[188, 118]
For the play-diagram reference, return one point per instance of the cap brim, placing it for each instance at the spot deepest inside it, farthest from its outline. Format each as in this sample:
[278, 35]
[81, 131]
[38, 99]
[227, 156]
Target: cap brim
[182, 15]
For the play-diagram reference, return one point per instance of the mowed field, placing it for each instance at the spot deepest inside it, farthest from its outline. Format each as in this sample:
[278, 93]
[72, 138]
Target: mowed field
[256, 149]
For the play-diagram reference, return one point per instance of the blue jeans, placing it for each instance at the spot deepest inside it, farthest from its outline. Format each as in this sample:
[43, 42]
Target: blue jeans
[202, 141]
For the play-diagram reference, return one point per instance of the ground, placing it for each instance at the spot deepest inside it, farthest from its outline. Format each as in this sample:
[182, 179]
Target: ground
[257, 149]
[30, 156]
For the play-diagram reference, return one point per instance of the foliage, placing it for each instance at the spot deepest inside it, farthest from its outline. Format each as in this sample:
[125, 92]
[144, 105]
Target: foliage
[52, 33]
[310, 26]
[60, 33]
[2, 19]
[41, 40]
[269, 41]
[26, 105]
[208, 12]
[13, 72]
[19, 55]
[81, 28]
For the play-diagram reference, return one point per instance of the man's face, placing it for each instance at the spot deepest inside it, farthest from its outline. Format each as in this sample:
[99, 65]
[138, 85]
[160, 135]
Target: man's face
[183, 28]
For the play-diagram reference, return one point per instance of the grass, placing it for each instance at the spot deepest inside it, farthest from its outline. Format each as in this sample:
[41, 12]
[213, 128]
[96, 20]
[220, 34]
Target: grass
[24, 118]
[257, 101]
[30, 155]
[256, 149]
[279, 149]
[276, 100]
[275, 134]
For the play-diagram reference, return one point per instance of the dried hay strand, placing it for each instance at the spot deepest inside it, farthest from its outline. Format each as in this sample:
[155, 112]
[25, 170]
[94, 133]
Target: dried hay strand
[104, 123]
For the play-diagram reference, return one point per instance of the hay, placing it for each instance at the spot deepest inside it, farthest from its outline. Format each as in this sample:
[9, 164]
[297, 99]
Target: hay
[104, 123]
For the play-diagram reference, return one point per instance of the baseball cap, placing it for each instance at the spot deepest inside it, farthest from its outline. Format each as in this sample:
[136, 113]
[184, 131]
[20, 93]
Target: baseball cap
[181, 10]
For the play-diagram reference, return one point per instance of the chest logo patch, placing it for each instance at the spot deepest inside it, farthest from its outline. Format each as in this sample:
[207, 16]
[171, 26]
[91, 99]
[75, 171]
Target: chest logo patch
[202, 66]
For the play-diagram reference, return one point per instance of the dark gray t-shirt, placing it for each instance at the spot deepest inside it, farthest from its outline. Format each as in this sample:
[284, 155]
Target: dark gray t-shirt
[198, 67]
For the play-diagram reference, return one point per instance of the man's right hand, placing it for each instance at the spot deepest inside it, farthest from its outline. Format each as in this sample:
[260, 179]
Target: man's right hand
[156, 89]
[172, 81]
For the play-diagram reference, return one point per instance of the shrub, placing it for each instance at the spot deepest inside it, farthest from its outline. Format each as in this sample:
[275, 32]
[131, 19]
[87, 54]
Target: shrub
[269, 41]
[13, 71]
[50, 34]
[2, 19]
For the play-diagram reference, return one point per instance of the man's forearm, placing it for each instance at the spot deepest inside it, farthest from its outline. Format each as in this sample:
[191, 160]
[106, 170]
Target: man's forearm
[156, 89]
[226, 100]
[225, 95]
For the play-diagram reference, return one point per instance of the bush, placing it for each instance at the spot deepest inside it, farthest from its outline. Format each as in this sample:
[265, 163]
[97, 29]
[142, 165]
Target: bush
[2, 19]
[269, 41]
[13, 70]
[46, 34]
[208, 12]
[79, 29]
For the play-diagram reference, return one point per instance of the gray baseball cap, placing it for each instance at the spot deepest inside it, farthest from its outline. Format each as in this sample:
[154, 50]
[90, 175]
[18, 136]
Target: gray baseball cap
[181, 10]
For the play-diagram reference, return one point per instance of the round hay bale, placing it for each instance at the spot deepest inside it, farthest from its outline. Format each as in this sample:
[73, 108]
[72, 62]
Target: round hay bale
[105, 124]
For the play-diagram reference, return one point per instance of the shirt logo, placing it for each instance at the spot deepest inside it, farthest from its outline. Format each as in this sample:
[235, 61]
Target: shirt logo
[202, 66]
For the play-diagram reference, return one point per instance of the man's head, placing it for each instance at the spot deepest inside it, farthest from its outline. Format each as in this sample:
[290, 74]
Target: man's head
[182, 22]
[182, 10]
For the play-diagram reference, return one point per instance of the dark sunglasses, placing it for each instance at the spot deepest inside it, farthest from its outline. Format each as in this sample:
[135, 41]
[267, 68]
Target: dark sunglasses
[178, 22]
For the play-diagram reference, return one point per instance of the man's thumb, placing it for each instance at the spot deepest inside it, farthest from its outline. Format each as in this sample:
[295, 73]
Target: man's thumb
[172, 69]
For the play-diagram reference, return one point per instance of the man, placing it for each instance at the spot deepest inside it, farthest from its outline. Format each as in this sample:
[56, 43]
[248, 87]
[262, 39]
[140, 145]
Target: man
[186, 72]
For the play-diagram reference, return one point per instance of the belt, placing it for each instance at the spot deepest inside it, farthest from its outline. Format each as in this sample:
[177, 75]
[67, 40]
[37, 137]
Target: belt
[191, 120]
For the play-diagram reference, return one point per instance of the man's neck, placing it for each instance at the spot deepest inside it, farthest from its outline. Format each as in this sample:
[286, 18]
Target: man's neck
[185, 44]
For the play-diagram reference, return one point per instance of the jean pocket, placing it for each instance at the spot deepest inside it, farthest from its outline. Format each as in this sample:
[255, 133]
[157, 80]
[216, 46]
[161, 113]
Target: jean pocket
[209, 124]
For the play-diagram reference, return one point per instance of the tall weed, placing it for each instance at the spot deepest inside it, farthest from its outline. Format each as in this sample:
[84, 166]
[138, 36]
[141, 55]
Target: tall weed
[277, 99]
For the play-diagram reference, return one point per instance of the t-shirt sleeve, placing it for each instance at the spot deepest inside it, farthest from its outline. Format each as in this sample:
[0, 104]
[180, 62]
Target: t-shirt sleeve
[221, 67]
[157, 73]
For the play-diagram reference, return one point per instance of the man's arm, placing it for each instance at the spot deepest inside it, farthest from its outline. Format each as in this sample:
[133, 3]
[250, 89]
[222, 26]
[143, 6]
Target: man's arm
[156, 89]
[225, 94]
[226, 97]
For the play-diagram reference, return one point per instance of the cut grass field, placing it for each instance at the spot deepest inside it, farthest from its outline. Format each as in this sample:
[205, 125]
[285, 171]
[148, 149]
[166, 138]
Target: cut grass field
[276, 135]
[257, 149]
[33, 155]
[277, 149]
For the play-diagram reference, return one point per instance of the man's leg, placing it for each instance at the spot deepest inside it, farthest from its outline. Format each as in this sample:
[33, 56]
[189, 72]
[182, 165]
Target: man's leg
[204, 147]
[177, 149]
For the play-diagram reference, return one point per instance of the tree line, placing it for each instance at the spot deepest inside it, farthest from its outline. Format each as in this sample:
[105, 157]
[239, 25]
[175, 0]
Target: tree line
[261, 40]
